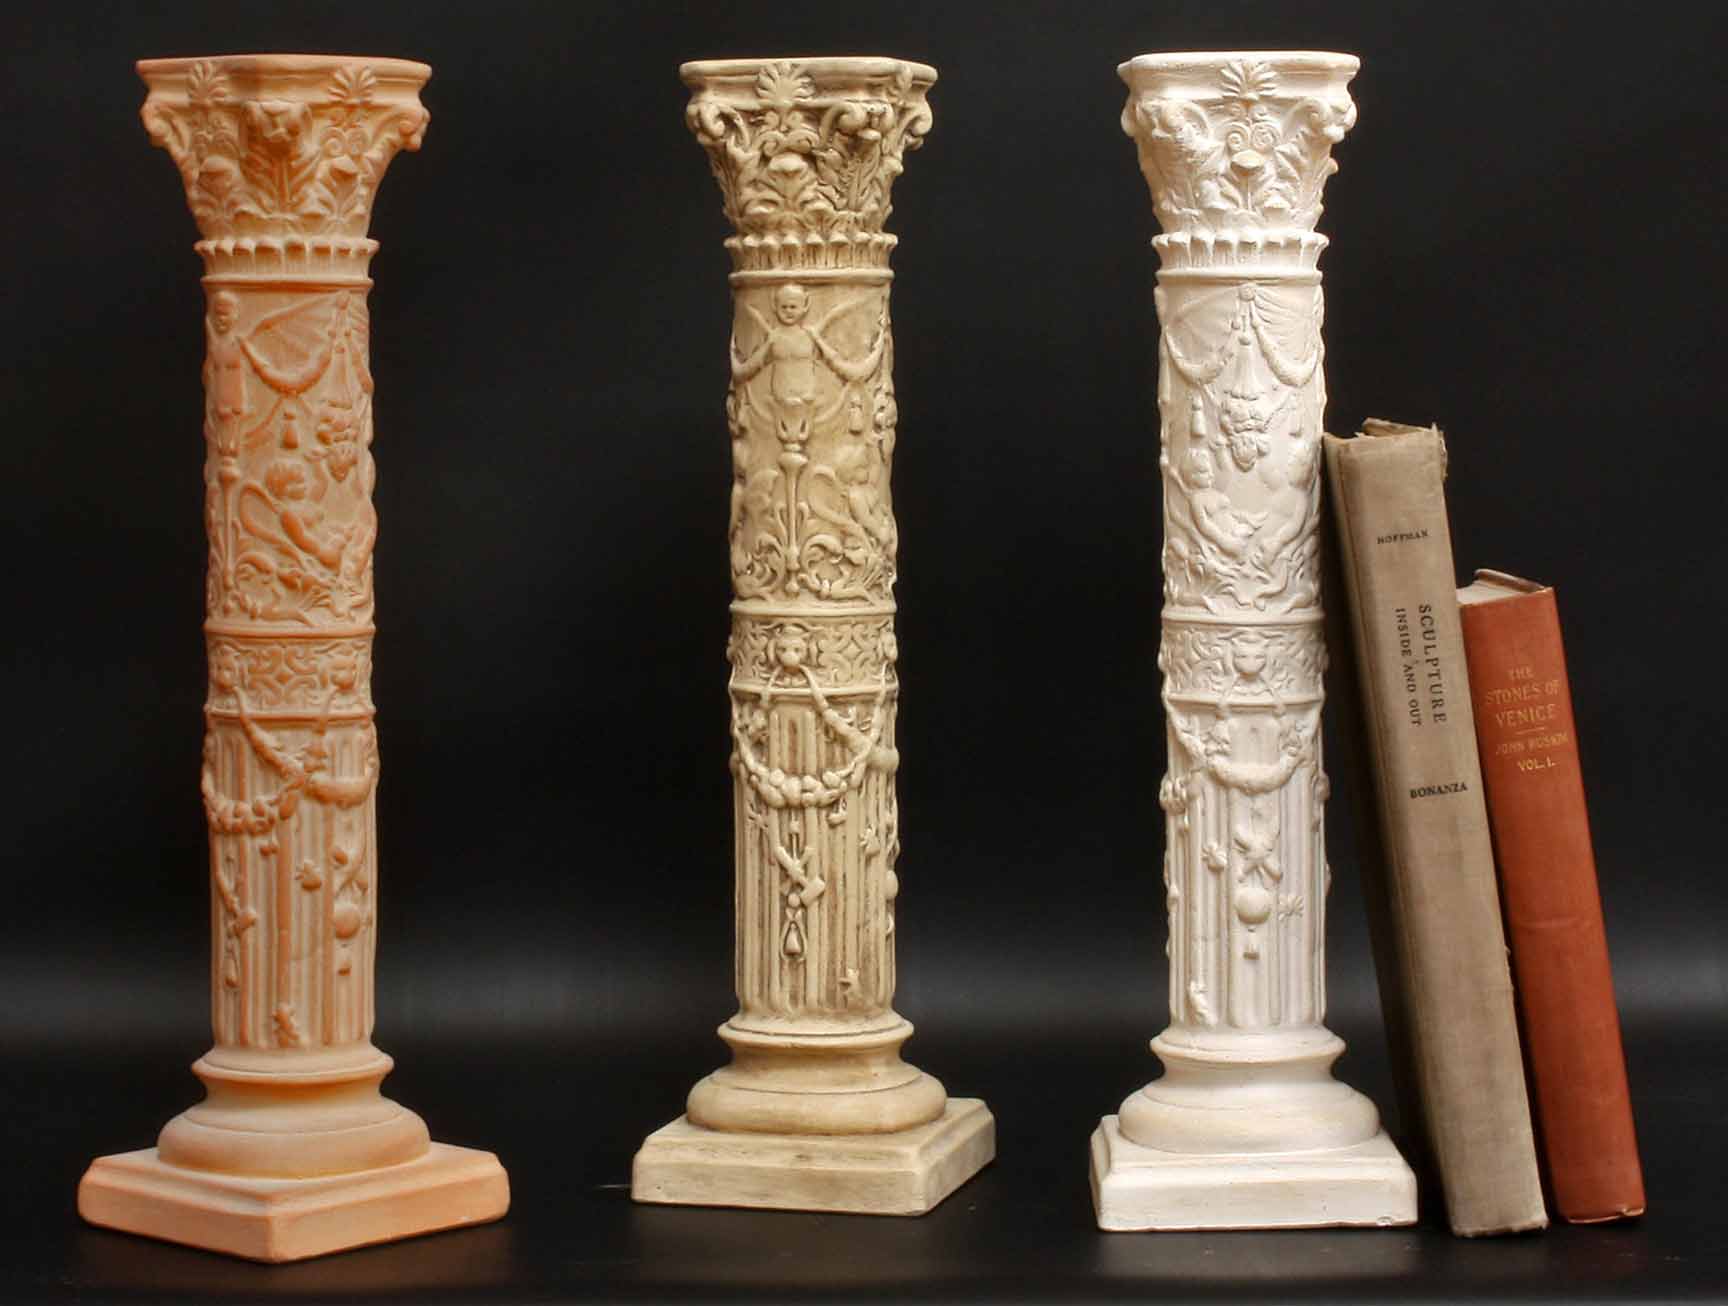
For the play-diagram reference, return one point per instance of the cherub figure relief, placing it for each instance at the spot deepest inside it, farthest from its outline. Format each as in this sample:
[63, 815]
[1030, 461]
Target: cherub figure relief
[287, 512]
[1209, 536]
[1294, 498]
[788, 352]
[1214, 517]
[310, 537]
[811, 512]
[225, 368]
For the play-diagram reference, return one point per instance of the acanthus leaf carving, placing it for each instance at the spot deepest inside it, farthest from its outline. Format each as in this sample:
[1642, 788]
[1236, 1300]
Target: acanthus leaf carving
[1246, 154]
[803, 150]
[290, 164]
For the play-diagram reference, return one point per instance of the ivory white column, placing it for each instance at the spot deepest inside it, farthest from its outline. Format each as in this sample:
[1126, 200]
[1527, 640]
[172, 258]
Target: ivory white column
[294, 1151]
[1246, 1128]
[817, 1110]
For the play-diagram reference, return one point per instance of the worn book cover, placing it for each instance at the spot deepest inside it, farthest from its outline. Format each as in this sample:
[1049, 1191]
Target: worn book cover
[1536, 810]
[1442, 913]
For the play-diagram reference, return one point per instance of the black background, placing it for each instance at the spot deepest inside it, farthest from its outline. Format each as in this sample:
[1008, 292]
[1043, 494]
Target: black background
[1524, 250]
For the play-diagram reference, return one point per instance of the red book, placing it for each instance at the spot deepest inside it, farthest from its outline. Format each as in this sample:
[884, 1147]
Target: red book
[1565, 990]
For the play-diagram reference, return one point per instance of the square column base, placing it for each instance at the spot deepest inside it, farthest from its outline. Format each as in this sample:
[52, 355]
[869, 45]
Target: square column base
[1136, 1187]
[291, 1219]
[908, 1173]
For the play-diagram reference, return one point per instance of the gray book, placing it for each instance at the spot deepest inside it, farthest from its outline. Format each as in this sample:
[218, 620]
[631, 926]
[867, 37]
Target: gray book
[1440, 921]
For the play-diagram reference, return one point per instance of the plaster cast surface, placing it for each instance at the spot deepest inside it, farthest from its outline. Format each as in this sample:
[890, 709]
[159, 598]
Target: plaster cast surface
[907, 1172]
[294, 1150]
[805, 152]
[290, 1219]
[1246, 1128]
[1136, 1188]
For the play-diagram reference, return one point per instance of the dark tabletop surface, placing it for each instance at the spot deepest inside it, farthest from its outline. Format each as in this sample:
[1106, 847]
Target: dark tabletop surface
[566, 1118]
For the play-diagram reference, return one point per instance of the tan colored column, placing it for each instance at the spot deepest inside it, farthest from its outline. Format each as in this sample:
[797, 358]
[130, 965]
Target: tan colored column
[294, 1150]
[1246, 1128]
[805, 152]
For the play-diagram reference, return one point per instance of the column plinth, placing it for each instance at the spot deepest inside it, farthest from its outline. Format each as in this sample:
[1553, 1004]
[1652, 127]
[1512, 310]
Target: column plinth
[1246, 1128]
[817, 1109]
[294, 1151]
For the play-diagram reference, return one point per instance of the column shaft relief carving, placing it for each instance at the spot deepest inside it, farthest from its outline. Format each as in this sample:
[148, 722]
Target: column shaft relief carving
[813, 686]
[1235, 169]
[281, 181]
[806, 153]
[290, 752]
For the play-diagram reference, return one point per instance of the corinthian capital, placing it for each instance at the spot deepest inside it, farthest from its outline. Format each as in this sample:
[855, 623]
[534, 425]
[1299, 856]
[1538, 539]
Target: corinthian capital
[806, 151]
[283, 146]
[1240, 144]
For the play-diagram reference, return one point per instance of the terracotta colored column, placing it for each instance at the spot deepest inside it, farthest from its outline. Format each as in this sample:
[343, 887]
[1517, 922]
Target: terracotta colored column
[1246, 1128]
[294, 1151]
[805, 152]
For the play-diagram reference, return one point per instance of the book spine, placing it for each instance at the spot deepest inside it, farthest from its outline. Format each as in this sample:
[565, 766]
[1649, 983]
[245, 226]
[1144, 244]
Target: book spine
[1349, 762]
[1396, 556]
[1535, 791]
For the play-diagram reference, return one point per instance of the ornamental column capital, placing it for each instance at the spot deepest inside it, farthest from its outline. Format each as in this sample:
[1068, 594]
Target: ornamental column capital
[281, 155]
[1236, 148]
[806, 152]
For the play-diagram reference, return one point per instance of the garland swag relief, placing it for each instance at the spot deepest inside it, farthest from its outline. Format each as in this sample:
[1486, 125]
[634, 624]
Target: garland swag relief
[1235, 149]
[281, 157]
[805, 153]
